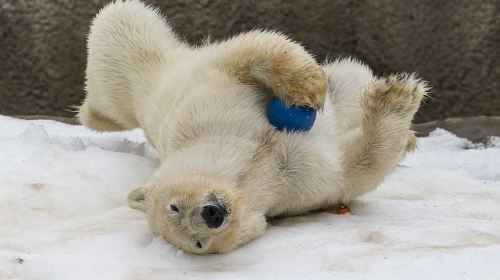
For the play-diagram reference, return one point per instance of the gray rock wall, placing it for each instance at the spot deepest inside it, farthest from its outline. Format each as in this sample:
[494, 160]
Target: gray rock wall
[455, 45]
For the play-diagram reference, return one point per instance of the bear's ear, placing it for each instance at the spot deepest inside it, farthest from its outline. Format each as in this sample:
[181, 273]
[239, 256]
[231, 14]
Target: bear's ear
[137, 199]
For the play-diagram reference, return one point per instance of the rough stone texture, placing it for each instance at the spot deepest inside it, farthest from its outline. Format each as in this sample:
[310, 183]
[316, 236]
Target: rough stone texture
[453, 44]
[476, 129]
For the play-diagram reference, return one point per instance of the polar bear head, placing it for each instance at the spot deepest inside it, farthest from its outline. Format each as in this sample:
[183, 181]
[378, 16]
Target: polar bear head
[198, 214]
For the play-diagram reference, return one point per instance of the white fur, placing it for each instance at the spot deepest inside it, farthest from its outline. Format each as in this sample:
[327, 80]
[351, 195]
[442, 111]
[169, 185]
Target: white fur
[209, 126]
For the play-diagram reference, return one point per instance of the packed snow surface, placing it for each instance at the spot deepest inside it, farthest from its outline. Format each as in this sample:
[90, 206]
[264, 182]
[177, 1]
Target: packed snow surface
[63, 215]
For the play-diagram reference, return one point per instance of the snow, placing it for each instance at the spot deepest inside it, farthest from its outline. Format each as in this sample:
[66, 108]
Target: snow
[63, 215]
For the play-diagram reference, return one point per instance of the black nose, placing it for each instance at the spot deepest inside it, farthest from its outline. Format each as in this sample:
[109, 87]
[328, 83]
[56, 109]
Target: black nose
[213, 215]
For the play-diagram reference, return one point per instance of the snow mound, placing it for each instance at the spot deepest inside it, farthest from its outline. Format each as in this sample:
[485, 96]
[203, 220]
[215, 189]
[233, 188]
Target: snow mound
[64, 216]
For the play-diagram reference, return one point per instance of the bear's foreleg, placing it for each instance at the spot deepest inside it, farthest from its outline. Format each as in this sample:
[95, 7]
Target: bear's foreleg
[388, 107]
[271, 60]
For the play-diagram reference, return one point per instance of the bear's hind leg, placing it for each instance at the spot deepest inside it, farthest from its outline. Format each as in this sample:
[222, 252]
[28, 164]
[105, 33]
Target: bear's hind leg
[128, 46]
[97, 121]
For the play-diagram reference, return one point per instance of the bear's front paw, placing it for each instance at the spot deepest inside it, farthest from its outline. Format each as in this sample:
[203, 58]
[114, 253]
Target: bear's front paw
[395, 95]
[298, 81]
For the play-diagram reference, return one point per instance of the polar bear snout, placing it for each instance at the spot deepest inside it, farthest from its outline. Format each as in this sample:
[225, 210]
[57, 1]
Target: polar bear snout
[213, 215]
[198, 214]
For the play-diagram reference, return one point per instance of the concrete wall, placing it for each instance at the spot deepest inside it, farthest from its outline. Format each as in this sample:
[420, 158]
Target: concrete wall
[453, 44]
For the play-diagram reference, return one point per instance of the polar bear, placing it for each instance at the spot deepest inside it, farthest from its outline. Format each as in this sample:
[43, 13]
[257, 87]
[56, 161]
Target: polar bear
[224, 169]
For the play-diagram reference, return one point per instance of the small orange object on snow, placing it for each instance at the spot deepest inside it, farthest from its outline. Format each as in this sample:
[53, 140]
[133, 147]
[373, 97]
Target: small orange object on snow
[343, 209]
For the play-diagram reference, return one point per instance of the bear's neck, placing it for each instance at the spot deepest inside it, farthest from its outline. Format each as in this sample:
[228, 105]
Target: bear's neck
[244, 162]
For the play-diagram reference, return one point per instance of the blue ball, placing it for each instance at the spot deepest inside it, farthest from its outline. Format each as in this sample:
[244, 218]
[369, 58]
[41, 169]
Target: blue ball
[290, 118]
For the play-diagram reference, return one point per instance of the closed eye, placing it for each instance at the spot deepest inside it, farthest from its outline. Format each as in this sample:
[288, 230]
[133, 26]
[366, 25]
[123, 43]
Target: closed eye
[174, 208]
